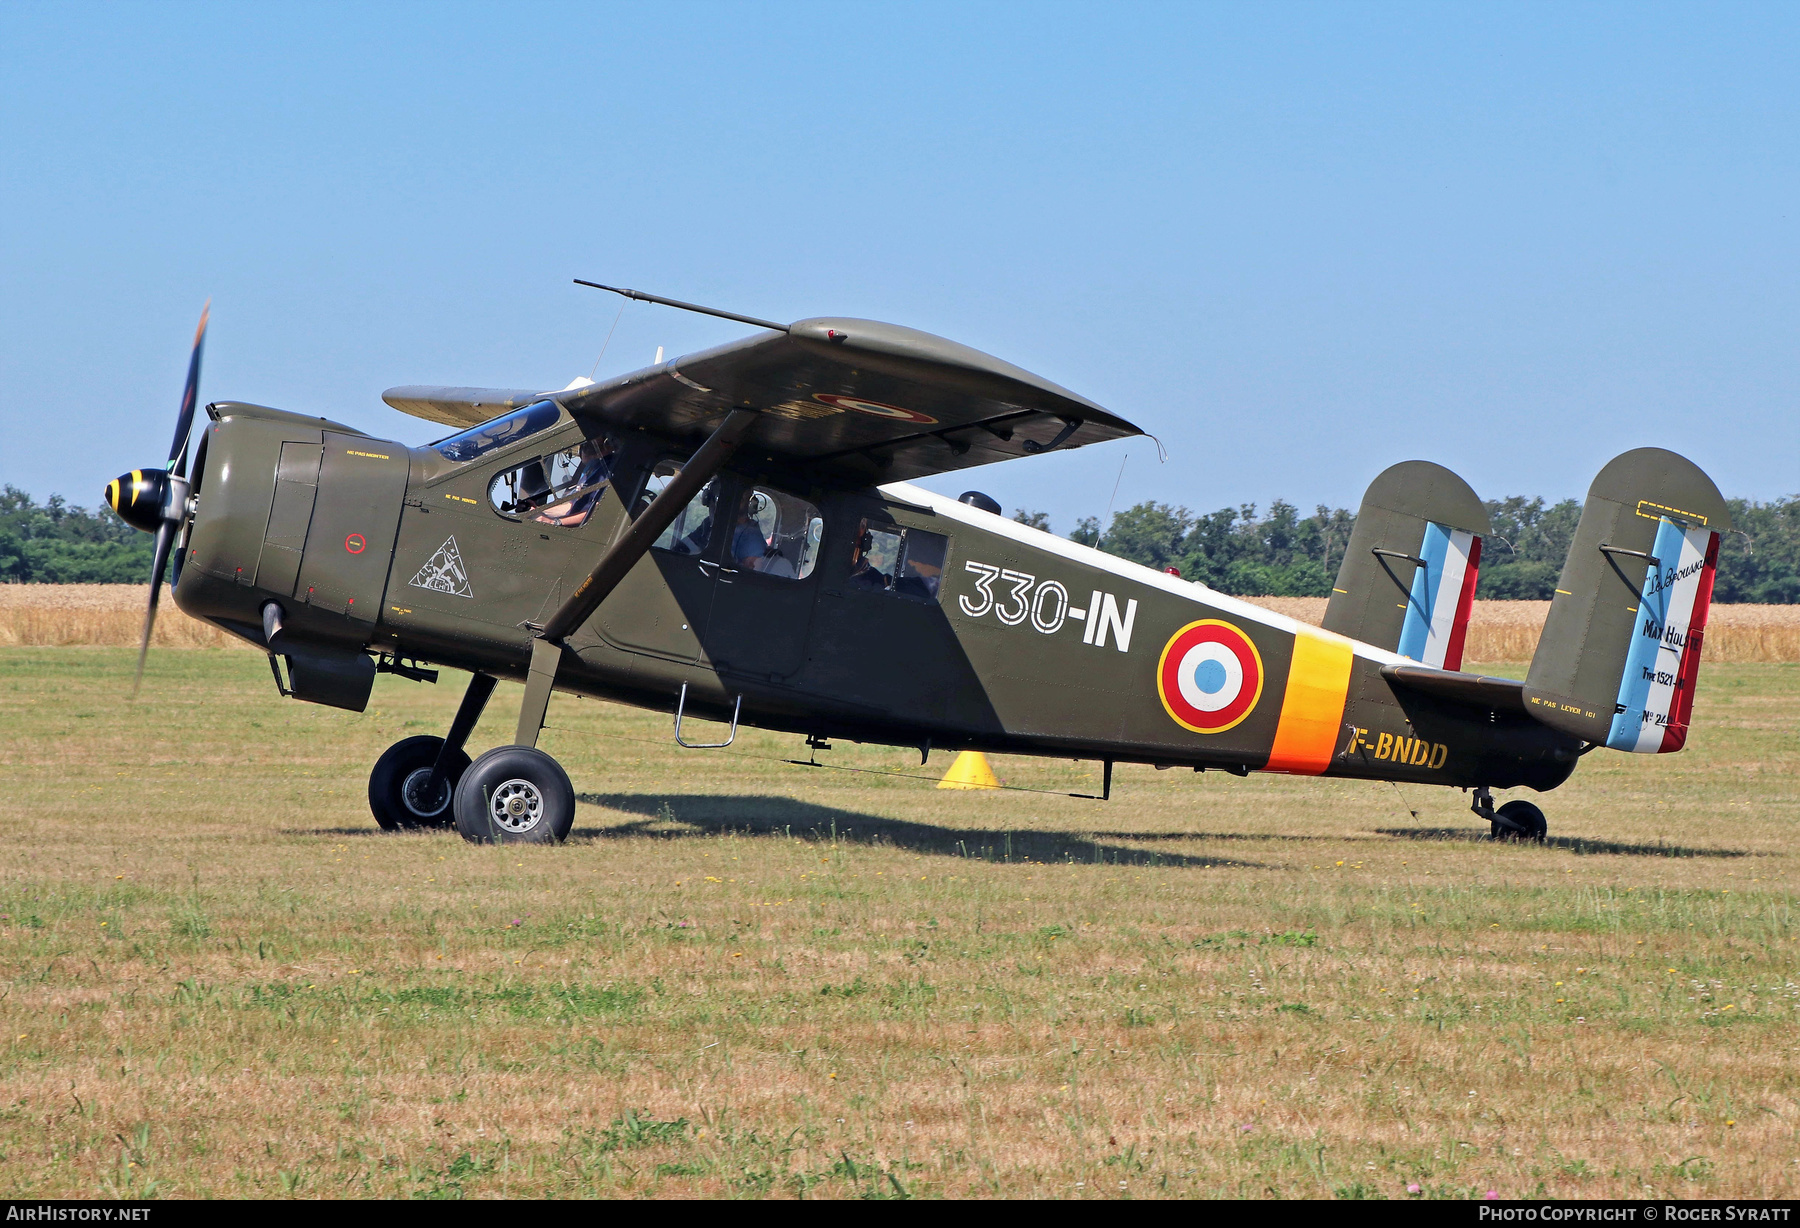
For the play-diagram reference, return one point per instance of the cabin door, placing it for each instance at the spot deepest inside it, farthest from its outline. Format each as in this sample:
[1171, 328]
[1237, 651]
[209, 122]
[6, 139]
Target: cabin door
[661, 606]
[762, 602]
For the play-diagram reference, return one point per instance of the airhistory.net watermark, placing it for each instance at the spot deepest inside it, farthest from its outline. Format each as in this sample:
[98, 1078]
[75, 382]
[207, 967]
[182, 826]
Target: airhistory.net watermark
[74, 1213]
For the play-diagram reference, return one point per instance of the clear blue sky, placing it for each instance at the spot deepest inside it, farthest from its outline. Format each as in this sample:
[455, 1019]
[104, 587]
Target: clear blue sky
[1297, 242]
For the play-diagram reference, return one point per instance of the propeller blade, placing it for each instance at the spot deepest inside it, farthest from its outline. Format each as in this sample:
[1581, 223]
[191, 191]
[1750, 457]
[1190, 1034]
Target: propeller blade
[165, 538]
[184, 420]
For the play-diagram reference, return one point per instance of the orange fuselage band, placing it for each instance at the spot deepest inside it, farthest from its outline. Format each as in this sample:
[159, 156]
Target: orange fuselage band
[1312, 709]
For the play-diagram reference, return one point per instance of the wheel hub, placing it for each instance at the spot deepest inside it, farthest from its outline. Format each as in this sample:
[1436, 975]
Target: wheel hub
[426, 794]
[516, 805]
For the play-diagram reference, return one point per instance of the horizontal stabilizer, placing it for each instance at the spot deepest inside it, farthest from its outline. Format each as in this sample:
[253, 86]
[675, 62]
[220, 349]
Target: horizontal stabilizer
[458, 407]
[1470, 690]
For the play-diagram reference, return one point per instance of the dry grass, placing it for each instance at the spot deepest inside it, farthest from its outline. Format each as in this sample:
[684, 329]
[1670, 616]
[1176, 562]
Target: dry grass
[742, 977]
[96, 615]
[111, 615]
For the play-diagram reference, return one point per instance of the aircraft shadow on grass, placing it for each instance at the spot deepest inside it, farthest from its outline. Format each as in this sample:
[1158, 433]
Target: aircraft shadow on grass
[707, 815]
[1574, 844]
[1462, 835]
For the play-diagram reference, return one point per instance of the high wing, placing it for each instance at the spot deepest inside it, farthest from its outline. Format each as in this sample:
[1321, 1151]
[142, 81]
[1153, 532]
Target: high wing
[867, 401]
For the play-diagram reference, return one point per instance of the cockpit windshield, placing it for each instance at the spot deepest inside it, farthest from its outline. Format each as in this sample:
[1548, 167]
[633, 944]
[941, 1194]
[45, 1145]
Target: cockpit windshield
[497, 433]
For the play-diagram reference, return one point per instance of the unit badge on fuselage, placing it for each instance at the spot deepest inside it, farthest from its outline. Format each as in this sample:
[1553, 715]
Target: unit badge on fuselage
[443, 572]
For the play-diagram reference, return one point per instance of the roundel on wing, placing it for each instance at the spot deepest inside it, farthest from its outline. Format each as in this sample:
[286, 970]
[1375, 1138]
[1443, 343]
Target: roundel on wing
[1210, 676]
[875, 409]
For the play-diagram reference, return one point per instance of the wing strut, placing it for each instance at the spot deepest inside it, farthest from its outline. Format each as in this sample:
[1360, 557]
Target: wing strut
[661, 513]
[632, 545]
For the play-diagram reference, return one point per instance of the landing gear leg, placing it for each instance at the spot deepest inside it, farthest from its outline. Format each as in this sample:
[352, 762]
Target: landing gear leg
[517, 794]
[415, 778]
[474, 702]
[545, 657]
[1516, 820]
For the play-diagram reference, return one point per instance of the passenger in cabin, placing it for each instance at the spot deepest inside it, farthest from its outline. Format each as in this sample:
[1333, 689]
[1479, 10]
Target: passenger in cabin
[695, 542]
[749, 547]
[590, 480]
[919, 579]
[922, 565]
[779, 564]
[863, 572]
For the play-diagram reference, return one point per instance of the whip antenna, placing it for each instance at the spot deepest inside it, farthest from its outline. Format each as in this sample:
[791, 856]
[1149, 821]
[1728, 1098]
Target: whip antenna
[641, 297]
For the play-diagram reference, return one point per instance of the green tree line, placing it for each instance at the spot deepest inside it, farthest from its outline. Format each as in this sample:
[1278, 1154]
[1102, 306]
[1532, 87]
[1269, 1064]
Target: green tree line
[1280, 553]
[55, 543]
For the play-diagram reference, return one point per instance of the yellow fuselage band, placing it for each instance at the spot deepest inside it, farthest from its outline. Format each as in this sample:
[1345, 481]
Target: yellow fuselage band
[1312, 709]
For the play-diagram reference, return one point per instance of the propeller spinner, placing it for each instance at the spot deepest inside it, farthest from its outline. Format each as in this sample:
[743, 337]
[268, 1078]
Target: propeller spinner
[156, 500]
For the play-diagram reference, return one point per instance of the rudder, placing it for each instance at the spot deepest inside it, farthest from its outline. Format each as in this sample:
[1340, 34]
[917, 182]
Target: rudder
[1620, 653]
[1407, 582]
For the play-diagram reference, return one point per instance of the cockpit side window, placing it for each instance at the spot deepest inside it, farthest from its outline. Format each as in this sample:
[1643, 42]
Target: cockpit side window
[906, 562]
[498, 433]
[559, 489]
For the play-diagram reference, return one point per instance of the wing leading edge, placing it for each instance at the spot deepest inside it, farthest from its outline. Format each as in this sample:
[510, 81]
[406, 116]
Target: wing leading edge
[867, 401]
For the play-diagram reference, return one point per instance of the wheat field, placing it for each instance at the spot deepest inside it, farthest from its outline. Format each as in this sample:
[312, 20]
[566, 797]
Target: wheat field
[111, 616]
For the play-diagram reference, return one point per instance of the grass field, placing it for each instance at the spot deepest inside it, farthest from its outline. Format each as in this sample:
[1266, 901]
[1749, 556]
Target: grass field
[747, 978]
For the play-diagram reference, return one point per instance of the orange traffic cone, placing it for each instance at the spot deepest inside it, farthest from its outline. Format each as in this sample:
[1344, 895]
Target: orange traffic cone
[970, 771]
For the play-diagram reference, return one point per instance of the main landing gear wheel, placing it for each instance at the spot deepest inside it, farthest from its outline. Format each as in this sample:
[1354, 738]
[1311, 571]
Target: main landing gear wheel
[1527, 822]
[404, 791]
[515, 795]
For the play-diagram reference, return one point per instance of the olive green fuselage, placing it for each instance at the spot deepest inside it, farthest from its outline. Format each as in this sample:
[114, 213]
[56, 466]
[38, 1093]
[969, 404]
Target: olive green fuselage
[1029, 644]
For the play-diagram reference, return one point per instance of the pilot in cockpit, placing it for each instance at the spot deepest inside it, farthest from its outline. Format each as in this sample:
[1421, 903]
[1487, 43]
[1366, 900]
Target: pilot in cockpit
[590, 479]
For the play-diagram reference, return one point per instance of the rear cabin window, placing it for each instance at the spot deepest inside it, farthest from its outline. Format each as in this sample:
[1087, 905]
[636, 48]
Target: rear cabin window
[498, 433]
[561, 488]
[776, 534]
[691, 531]
[905, 562]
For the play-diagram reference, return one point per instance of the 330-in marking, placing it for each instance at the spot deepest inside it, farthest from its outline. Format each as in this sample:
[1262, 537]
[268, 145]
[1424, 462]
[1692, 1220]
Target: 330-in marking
[1046, 604]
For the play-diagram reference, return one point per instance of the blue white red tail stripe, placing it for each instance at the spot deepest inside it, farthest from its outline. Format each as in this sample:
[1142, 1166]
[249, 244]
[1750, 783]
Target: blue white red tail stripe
[1656, 692]
[1443, 594]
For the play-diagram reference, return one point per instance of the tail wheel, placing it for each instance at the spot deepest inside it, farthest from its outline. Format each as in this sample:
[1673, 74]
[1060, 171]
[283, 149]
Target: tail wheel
[1527, 822]
[515, 795]
[404, 790]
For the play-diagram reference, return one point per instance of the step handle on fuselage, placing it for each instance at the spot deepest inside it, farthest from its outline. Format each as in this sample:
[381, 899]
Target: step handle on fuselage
[1408, 577]
[1620, 652]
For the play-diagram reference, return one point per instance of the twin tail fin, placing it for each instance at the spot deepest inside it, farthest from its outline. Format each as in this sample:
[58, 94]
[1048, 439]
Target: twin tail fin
[1407, 583]
[1620, 652]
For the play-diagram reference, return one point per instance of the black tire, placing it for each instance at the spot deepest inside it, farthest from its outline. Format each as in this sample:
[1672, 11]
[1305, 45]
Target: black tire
[515, 795]
[400, 795]
[1524, 815]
